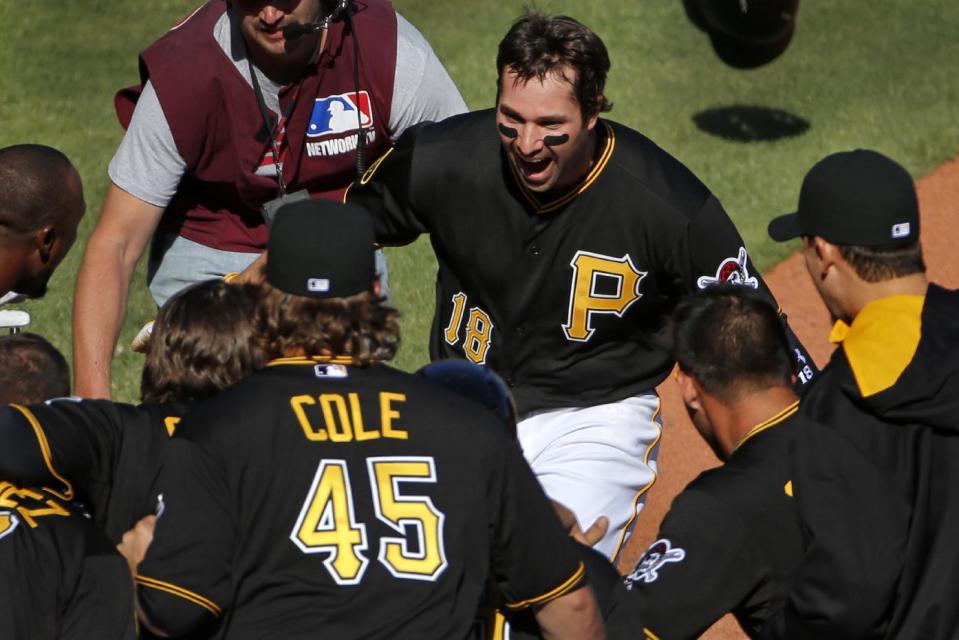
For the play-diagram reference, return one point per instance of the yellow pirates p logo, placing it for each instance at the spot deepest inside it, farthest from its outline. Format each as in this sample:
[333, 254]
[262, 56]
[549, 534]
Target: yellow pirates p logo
[585, 299]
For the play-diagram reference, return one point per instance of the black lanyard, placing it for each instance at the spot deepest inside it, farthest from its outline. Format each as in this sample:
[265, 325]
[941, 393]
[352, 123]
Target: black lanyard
[268, 121]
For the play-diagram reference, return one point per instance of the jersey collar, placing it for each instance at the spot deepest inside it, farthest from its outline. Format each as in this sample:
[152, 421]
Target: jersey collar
[779, 418]
[552, 205]
[311, 360]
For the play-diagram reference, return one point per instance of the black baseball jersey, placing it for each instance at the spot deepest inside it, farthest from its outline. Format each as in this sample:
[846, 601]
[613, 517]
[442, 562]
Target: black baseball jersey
[103, 453]
[620, 615]
[566, 298]
[60, 578]
[893, 556]
[729, 542]
[322, 499]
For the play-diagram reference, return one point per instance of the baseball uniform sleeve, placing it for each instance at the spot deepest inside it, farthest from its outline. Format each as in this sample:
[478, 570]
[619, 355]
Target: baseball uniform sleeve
[386, 191]
[533, 560]
[65, 445]
[702, 565]
[183, 582]
[713, 252]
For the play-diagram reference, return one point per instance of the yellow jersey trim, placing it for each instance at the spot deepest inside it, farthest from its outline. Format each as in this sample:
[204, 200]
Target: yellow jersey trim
[649, 634]
[643, 490]
[882, 341]
[311, 360]
[230, 277]
[562, 589]
[67, 493]
[180, 592]
[788, 488]
[547, 207]
[771, 422]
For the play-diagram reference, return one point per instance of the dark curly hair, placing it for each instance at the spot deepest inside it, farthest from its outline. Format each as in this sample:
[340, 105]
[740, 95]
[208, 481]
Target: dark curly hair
[204, 339]
[360, 326]
[537, 46]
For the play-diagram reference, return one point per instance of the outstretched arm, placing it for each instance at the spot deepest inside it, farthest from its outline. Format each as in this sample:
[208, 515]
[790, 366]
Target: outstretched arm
[125, 226]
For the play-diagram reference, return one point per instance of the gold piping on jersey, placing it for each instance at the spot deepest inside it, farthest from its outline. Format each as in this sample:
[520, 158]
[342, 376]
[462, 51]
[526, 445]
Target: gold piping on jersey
[882, 341]
[562, 589]
[311, 360]
[771, 422]
[180, 592]
[642, 491]
[67, 493]
[649, 634]
[788, 488]
[590, 178]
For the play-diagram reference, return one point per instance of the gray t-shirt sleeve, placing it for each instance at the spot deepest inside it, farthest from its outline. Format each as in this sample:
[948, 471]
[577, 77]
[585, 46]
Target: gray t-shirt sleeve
[147, 164]
[422, 89]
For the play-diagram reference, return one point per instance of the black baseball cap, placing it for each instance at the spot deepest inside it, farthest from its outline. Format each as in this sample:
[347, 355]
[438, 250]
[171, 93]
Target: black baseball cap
[856, 197]
[745, 34]
[321, 249]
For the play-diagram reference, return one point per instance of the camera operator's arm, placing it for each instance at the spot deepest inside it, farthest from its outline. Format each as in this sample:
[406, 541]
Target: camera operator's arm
[125, 226]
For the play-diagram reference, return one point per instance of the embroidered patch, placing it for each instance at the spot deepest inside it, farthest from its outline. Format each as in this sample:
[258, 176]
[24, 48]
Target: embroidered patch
[338, 114]
[731, 270]
[658, 554]
[330, 371]
[319, 285]
[900, 230]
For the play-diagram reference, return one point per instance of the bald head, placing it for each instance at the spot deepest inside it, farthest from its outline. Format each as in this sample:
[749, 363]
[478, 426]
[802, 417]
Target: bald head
[41, 204]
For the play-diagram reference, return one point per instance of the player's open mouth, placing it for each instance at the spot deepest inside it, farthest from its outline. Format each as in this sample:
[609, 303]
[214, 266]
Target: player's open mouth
[534, 169]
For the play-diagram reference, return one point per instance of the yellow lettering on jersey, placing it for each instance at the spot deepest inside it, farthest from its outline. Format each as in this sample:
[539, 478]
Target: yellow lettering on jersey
[456, 317]
[327, 524]
[11, 497]
[585, 300]
[358, 428]
[411, 516]
[479, 335]
[171, 422]
[297, 402]
[345, 431]
[388, 414]
[343, 419]
[8, 522]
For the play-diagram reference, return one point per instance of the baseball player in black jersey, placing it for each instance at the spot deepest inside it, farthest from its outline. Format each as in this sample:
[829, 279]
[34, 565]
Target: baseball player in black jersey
[734, 536]
[60, 577]
[563, 245]
[891, 389]
[330, 495]
[108, 454]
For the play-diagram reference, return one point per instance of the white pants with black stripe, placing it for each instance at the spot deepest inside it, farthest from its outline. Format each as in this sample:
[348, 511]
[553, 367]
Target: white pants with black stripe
[597, 461]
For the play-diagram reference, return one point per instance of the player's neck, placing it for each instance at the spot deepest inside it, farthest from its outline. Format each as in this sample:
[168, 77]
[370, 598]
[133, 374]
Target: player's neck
[733, 421]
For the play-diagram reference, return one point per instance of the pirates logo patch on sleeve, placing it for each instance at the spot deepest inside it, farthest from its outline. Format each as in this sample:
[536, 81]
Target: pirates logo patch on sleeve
[732, 271]
[659, 553]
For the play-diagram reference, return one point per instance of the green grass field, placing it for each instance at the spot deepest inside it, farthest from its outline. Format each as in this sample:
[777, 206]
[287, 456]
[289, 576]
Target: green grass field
[872, 73]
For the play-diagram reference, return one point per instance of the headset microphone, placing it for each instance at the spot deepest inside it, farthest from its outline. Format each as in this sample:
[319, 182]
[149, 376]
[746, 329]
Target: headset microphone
[297, 30]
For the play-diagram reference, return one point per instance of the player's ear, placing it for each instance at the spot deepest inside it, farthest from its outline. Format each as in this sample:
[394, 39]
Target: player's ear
[689, 390]
[43, 241]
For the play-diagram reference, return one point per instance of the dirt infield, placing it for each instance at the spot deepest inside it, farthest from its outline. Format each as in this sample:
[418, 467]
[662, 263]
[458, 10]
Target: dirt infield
[683, 455]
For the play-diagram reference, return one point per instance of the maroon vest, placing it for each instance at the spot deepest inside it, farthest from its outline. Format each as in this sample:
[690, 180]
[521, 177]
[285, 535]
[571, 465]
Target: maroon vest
[219, 130]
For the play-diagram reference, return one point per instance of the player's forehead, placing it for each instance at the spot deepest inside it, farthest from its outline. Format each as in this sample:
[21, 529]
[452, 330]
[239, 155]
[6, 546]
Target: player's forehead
[533, 98]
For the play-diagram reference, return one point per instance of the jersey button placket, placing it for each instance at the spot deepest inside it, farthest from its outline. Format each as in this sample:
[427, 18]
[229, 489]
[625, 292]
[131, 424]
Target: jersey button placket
[534, 250]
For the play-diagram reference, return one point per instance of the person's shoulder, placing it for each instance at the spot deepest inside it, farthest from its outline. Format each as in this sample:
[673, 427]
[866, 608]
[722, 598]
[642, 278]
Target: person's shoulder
[470, 127]
[653, 168]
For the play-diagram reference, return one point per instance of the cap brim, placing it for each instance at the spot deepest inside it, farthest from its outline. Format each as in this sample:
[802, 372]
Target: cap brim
[784, 227]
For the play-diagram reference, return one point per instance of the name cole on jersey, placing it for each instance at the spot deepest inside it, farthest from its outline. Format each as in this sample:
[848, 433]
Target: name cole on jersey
[333, 125]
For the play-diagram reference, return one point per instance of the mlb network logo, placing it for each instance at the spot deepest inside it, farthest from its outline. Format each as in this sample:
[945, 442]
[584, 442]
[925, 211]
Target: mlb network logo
[337, 114]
